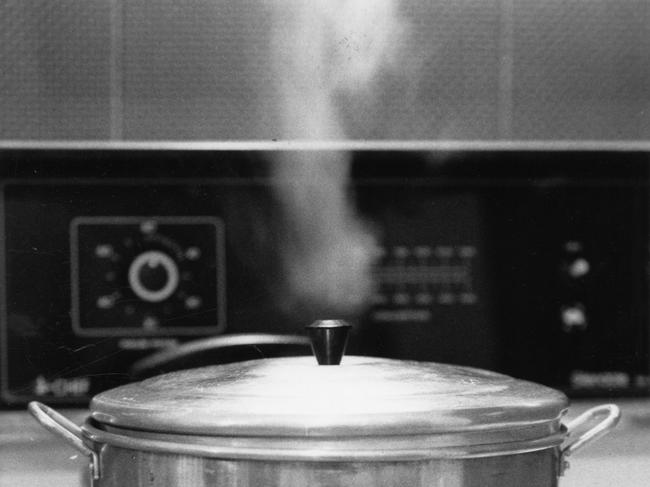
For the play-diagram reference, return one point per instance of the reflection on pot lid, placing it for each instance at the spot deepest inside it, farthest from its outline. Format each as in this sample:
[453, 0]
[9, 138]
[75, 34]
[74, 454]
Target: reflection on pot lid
[364, 396]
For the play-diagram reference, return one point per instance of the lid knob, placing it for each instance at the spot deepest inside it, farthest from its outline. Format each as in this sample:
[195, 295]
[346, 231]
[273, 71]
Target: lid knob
[328, 340]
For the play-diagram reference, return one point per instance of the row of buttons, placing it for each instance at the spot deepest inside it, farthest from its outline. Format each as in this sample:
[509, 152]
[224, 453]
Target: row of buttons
[425, 299]
[401, 252]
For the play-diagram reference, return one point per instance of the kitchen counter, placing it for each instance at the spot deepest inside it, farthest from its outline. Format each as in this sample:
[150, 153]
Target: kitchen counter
[621, 458]
[32, 457]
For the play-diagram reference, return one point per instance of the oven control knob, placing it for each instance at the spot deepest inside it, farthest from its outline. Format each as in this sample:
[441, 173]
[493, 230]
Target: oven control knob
[574, 317]
[153, 276]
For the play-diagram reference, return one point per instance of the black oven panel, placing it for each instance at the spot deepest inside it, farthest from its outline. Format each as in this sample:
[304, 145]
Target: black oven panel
[534, 264]
[99, 274]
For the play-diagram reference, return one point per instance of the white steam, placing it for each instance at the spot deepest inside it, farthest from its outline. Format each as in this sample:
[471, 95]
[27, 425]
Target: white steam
[326, 52]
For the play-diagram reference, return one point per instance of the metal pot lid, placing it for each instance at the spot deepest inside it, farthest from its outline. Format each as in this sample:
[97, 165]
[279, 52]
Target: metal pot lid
[363, 397]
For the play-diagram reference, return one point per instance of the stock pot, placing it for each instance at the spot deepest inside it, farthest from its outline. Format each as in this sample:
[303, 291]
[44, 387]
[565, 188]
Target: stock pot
[367, 422]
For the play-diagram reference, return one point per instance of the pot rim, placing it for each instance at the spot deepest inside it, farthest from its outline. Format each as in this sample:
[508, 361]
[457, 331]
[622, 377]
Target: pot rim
[406, 447]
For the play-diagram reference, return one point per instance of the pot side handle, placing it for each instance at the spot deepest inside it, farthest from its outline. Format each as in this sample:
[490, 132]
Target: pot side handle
[612, 415]
[66, 429]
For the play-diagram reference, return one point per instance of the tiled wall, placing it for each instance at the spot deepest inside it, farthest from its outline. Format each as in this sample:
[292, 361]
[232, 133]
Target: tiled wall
[181, 69]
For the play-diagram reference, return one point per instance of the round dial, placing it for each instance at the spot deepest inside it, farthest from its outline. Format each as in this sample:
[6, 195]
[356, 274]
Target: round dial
[153, 276]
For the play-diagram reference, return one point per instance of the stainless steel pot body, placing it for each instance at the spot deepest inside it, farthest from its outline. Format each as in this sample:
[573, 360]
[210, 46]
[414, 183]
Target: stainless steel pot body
[136, 459]
[130, 468]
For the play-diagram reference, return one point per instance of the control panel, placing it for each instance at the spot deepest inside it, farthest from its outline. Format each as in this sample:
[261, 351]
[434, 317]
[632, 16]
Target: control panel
[147, 275]
[533, 264]
[113, 270]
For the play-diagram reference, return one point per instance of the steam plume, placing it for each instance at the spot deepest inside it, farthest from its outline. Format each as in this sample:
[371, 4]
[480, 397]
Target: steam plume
[326, 52]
